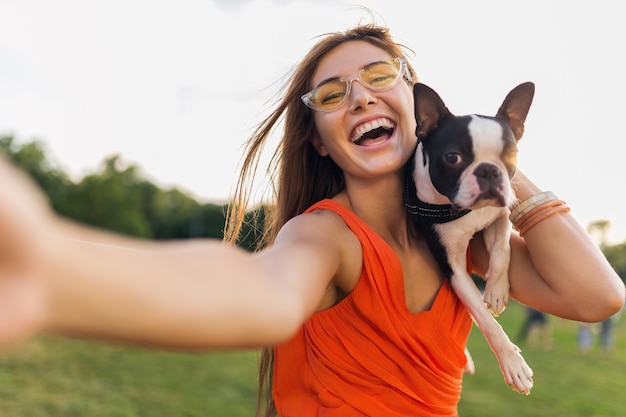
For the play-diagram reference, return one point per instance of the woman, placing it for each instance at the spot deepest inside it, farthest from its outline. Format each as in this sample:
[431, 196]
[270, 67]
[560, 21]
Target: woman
[345, 289]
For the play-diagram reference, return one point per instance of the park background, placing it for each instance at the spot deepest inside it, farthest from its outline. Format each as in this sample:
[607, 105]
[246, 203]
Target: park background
[177, 86]
[131, 115]
[53, 376]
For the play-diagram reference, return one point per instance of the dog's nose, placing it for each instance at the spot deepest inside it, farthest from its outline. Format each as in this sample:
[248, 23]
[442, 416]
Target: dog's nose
[489, 179]
[487, 172]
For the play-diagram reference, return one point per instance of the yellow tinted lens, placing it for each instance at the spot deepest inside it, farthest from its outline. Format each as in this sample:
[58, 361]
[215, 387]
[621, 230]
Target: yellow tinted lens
[333, 92]
[381, 75]
[329, 94]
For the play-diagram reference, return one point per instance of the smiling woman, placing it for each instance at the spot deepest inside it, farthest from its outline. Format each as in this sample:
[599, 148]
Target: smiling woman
[347, 156]
[343, 291]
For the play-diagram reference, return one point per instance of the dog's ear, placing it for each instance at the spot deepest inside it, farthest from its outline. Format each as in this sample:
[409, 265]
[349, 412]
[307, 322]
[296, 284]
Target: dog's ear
[515, 107]
[429, 109]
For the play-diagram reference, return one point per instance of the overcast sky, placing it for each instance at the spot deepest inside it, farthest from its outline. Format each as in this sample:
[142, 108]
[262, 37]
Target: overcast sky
[177, 86]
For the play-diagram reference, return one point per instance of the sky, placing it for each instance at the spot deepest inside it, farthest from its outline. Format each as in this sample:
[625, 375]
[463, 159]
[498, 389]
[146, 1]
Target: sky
[176, 87]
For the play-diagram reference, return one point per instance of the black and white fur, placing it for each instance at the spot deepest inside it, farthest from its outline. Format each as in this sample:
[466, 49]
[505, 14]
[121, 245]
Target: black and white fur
[463, 166]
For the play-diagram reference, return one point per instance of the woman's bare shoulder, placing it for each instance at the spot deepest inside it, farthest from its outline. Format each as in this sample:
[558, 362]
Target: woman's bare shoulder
[327, 231]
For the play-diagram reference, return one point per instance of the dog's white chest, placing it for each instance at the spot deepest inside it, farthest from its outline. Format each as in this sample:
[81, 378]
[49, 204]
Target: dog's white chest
[461, 230]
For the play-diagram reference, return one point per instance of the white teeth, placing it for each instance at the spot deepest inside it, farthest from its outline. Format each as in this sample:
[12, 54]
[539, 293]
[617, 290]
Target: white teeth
[371, 125]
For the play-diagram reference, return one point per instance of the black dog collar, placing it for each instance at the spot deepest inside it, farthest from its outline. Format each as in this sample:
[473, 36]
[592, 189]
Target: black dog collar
[426, 212]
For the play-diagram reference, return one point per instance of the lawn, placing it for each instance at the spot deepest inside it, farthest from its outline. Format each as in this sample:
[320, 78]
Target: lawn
[59, 377]
[567, 382]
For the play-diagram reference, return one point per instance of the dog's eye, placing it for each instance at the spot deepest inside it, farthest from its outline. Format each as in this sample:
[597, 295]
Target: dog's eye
[453, 158]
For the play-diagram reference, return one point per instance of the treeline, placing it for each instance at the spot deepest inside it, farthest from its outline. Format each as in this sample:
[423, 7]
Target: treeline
[119, 198]
[616, 255]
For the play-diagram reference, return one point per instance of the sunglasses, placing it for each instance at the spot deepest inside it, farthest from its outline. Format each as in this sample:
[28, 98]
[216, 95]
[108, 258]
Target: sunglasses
[330, 94]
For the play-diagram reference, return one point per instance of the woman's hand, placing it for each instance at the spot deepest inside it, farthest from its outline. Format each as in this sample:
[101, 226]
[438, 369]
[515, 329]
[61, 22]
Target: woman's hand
[25, 224]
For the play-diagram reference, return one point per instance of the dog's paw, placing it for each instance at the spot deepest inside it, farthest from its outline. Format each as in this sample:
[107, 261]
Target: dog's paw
[516, 371]
[496, 296]
[470, 367]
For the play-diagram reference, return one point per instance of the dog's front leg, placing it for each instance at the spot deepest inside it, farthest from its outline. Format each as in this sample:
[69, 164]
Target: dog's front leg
[515, 370]
[497, 240]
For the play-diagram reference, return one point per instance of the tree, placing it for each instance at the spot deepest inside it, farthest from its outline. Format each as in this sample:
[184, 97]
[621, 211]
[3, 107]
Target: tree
[32, 158]
[600, 227]
[119, 198]
[616, 255]
[113, 199]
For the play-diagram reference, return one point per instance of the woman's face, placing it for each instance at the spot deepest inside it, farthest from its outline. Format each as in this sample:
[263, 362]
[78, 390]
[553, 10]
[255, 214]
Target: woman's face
[373, 133]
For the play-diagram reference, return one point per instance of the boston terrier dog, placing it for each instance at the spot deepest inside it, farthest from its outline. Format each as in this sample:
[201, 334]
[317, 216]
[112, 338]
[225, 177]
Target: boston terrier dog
[462, 177]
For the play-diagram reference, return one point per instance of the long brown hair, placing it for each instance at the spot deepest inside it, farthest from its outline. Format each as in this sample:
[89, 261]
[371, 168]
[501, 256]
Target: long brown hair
[299, 176]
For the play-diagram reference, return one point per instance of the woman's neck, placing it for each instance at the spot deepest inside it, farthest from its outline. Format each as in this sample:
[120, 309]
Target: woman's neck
[380, 204]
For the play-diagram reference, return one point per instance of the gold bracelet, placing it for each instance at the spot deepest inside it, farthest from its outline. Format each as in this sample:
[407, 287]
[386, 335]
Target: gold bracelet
[529, 204]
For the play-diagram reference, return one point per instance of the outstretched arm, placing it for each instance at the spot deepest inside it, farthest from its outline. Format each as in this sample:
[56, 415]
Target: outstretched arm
[558, 269]
[186, 294]
[60, 276]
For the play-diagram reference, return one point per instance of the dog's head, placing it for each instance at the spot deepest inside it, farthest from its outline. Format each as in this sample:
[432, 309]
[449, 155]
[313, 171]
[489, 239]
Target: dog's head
[469, 159]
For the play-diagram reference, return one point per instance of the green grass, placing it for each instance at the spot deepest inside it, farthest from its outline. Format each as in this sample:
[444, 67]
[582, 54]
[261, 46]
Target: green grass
[567, 382]
[59, 377]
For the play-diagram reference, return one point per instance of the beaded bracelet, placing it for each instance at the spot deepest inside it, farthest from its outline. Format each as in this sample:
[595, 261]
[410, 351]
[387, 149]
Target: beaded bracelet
[535, 209]
[529, 204]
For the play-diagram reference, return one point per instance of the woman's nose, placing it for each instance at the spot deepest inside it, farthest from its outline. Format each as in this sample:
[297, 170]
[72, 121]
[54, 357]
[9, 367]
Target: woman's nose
[360, 96]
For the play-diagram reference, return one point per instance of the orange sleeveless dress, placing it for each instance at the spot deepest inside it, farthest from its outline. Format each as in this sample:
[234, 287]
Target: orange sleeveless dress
[368, 355]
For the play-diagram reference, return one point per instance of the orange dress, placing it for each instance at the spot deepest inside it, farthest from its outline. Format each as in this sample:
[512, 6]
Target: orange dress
[368, 355]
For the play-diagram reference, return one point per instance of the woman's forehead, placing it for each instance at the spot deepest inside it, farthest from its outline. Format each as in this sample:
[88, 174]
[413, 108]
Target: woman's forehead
[347, 59]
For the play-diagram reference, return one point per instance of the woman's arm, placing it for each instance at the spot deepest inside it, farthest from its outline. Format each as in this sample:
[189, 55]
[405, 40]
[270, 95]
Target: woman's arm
[59, 276]
[556, 267]
[184, 294]
[192, 294]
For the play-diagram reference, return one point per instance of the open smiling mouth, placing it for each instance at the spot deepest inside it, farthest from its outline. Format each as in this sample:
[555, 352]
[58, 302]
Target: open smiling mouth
[373, 132]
